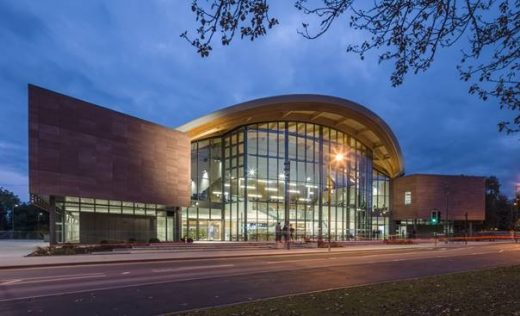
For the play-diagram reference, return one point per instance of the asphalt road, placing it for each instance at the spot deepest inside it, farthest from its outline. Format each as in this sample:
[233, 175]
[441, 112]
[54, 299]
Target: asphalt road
[159, 287]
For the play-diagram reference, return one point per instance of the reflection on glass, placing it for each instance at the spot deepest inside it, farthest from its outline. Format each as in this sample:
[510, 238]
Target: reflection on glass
[258, 175]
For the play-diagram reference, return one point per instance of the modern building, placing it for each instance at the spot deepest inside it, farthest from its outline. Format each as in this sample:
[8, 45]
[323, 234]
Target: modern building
[456, 201]
[320, 164]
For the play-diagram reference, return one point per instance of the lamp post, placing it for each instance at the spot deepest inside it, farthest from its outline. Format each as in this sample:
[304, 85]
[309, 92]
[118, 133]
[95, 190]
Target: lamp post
[447, 225]
[12, 219]
[337, 158]
[38, 224]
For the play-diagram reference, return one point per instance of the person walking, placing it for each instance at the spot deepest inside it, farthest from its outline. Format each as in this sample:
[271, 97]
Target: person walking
[291, 230]
[278, 233]
[285, 230]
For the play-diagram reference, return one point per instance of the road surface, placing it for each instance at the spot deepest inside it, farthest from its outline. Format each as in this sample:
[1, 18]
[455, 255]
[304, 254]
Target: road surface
[159, 287]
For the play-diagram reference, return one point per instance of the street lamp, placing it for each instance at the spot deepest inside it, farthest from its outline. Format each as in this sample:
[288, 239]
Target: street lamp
[38, 224]
[12, 219]
[338, 158]
[447, 222]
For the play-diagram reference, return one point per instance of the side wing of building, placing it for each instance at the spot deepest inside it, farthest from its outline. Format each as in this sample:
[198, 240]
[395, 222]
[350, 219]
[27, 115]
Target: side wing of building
[97, 166]
[415, 196]
[80, 149]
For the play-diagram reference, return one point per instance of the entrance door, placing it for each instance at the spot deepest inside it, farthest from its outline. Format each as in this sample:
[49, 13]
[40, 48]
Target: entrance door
[214, 230]
[209, 230]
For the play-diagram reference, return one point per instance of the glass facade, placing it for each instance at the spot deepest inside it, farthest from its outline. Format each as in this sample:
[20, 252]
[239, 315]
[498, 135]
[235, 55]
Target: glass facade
[250, 179]
[127, 220]
[380, 205]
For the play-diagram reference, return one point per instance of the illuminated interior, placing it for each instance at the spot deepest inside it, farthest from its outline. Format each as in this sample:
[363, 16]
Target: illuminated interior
[246, 181]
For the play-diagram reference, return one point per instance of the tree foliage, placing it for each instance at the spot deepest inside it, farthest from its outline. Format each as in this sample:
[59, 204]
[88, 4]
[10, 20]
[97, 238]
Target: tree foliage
[8, 200]
[29, 218]
[26, 216]
[407, 32]
[500, 212]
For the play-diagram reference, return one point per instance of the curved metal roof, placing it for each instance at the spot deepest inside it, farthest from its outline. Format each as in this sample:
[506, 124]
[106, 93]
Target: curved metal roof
[341, 114]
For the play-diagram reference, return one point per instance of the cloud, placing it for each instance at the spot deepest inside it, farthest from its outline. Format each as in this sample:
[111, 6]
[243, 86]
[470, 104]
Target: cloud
[128, 56]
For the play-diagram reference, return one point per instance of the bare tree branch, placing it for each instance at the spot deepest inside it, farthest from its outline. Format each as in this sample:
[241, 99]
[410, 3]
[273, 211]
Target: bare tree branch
[407, 32]
[251, 17]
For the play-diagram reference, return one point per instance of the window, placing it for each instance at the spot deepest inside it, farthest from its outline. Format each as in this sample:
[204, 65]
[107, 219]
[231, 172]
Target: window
[407, 197]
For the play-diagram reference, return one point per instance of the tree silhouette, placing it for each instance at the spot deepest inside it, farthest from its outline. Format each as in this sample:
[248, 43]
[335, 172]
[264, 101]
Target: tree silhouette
[407, 32]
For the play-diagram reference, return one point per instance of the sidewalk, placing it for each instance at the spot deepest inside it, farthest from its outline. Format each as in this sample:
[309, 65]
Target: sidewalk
[15, 260]
[17, 248]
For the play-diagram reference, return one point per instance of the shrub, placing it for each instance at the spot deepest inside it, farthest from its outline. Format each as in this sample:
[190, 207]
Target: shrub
[325, 244]
[131, 240]
[40, 251]
[62, 251]
[398, 241]
[154, 240]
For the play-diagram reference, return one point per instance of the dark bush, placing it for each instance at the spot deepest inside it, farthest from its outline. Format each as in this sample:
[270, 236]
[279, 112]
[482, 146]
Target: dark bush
[65, 250]
[68, 246]
[40, 251]
[103, 247]
[325, 244]
[103, 242]
[131, 240]
[398, 241]
[154, 240]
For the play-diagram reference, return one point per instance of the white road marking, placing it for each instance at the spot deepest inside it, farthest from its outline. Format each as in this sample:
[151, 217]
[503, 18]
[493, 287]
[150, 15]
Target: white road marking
[125, 272]
[9, 282]
[113, 287]
[501, 250]
[290, 261]
[192, 268]
[52, 278]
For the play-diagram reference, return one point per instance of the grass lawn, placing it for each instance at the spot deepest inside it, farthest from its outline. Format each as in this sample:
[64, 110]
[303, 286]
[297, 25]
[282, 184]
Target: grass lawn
[488, 292]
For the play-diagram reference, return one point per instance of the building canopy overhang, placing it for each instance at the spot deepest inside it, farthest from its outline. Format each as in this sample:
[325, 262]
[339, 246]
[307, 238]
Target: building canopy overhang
[341, 114]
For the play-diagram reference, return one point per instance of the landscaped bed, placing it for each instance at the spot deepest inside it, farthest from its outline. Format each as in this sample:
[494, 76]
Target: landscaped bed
[75, 249]
[488, 292]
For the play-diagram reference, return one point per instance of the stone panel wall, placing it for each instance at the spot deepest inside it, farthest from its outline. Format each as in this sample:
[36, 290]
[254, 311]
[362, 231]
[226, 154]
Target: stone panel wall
[458, 194]
[80, 149]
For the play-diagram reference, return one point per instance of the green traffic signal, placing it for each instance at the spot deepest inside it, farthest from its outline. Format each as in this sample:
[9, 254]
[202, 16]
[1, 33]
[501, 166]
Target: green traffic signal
[435, 217]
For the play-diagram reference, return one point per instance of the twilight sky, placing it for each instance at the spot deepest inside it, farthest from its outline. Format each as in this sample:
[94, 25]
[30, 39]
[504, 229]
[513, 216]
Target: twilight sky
[127, 55]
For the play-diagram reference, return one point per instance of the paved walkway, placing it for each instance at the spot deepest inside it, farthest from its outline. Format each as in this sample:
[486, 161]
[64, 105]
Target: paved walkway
[17, 248]
[14, 257]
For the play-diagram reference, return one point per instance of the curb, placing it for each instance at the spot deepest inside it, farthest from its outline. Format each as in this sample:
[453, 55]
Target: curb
[62, 264]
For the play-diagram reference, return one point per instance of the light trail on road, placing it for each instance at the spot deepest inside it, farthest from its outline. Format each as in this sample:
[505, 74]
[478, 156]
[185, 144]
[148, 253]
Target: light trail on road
[207, 282]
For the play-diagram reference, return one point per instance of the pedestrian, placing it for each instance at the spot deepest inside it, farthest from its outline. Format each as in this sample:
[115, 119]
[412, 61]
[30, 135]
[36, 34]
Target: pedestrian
[285, 230]
[291, 229]
[278, 232]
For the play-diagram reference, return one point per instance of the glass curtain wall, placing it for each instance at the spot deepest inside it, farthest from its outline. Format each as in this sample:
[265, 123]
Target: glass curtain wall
[258, 175]
[69, 224]
[381, 202]
[203, 220]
